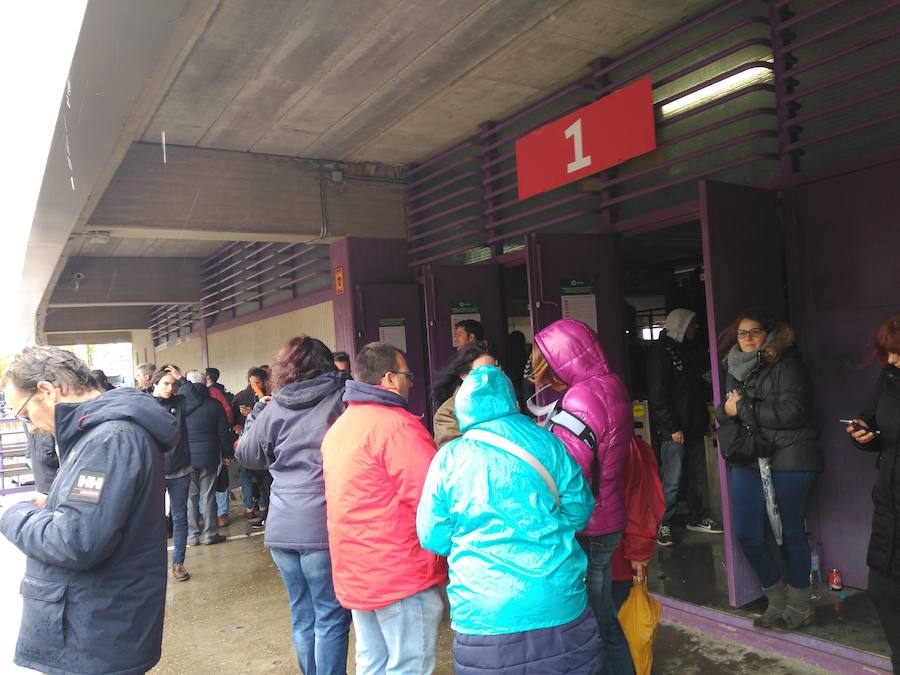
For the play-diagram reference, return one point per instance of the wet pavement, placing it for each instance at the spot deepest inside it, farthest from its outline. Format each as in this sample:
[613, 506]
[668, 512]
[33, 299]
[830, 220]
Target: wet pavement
[232, 617]
[694, 571]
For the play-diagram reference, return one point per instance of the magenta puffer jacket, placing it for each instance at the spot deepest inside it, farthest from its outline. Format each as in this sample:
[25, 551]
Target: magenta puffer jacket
[599, 399]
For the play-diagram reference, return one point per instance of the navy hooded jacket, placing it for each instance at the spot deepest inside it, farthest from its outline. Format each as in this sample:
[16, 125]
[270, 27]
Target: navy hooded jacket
[209, 438]
[286, 437]
[94, 589]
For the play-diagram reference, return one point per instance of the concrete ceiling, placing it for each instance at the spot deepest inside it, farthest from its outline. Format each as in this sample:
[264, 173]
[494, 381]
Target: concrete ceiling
[352, 80]
[365, 85]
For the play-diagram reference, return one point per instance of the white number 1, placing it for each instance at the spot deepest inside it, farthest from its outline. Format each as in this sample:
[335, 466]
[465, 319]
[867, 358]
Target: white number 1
[574, 131]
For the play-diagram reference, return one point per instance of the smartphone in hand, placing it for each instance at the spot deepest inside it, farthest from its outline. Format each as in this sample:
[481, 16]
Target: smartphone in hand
[856, 426]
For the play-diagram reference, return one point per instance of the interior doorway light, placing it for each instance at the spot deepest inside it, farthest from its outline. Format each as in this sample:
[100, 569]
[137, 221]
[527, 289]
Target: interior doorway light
[738, 81]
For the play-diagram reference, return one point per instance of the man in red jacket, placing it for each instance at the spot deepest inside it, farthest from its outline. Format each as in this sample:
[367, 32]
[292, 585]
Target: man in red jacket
[375, 459]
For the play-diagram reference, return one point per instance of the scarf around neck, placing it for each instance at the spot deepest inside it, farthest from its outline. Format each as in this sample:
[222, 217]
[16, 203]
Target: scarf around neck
[741, 364]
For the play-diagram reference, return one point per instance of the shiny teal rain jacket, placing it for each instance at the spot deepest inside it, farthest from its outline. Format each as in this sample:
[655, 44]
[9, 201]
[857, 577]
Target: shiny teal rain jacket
[515, 564]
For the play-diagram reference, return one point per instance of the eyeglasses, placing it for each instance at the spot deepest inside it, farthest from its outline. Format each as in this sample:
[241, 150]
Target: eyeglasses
[403, 372]
[753, 332]
[19, 416]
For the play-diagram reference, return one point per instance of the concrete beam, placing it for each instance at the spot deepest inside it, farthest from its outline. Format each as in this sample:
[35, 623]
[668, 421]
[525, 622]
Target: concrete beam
[93, 338]
[220, 193]
[95, 319]
[117, 282]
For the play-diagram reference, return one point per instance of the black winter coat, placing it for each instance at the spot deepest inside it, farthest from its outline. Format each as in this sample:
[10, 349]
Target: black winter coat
[779, 398]
[94, 589]
[41, 451]
[883, 413]
[179, 455]
[677, 393]
[209, 437]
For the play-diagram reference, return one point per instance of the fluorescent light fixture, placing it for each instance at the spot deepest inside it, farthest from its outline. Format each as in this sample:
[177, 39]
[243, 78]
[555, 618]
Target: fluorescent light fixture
[738, 81]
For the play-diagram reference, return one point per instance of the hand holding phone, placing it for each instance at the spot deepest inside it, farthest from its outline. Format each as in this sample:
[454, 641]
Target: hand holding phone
[859, 430]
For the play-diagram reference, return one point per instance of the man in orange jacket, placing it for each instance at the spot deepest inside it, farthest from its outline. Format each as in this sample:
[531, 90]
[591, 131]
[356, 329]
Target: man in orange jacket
[375, 459]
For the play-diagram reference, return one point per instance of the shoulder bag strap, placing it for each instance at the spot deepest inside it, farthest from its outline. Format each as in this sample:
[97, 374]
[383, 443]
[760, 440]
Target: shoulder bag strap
[506, 445]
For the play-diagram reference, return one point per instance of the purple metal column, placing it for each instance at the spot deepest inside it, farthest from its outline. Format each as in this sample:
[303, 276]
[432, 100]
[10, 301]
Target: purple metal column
[743, 266]
[204, 343]
[784, 86]
[491, 213]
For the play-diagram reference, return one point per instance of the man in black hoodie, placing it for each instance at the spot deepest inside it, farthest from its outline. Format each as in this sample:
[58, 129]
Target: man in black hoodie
[94, 589]
[679, 420]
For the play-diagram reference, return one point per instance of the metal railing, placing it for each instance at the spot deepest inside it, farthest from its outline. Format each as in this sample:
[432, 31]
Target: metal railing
[15, 474]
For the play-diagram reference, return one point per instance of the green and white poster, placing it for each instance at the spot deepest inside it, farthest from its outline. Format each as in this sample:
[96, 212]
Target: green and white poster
[579, 300]
[393, 332]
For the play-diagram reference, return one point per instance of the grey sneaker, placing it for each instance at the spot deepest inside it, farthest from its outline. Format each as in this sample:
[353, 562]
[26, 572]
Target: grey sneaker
[707, 525]
[193, 541]
[664, 538]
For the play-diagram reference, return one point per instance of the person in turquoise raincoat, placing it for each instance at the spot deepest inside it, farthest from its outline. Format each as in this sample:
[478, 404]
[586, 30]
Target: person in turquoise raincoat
[516, 591]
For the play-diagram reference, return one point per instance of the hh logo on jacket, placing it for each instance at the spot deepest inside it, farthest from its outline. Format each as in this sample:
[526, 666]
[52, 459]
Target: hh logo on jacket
[88, 487]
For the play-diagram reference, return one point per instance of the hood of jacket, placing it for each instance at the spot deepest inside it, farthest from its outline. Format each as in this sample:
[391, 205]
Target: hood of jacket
[781, 339]
[572, 350]
[74, 419]
[677, 323]
[360, 392]
[486, 394]
[308, 393]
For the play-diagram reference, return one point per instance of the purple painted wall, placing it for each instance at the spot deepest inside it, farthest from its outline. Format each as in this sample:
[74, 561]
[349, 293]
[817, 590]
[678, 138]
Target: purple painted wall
[365, 261]
[844, 279]
[554, 257]
[743, 266]
[449, 284]
[396, 301]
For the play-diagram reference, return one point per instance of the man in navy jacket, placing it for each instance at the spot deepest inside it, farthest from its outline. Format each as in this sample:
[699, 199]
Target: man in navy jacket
[95, 578]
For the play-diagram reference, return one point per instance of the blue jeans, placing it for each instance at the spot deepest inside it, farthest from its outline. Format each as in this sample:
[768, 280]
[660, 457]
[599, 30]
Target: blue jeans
[400, 639]
[320, 627]
[751, 520]
[676, 459]
[222, 506]
[599, 551]
[248, 479]
[178, 498]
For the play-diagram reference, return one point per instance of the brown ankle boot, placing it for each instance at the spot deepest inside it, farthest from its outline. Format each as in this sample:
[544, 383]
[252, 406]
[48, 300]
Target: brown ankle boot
[776, 593]
[179, 573]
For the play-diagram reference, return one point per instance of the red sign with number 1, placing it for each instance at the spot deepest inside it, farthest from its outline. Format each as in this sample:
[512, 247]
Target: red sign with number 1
[600, 135]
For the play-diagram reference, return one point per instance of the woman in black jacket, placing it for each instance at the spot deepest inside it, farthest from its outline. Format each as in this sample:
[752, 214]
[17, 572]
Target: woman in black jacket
[878, 430]
[769, 390]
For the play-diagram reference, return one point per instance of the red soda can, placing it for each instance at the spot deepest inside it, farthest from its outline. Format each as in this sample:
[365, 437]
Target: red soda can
[835, 580]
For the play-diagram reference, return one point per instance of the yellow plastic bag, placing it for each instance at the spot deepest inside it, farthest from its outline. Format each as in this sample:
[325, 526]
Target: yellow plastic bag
[639, 617]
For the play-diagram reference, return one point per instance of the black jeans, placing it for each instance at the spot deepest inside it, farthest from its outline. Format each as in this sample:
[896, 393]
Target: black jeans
[884, 591]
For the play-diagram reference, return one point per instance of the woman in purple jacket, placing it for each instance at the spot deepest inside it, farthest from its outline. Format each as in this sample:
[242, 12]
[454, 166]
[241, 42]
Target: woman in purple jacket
[594, 421]
[284, 435]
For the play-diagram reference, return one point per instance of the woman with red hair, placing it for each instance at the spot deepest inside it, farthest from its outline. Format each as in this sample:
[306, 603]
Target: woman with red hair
[878, 430]
[284, 434]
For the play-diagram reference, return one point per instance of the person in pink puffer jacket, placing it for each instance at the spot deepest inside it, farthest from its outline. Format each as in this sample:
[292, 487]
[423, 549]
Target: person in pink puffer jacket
[568, 357]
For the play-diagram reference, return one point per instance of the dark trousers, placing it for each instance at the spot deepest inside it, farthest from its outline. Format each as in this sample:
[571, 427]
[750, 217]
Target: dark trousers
[884, 591]
[677, 459]
[751, 520]
[574, 648]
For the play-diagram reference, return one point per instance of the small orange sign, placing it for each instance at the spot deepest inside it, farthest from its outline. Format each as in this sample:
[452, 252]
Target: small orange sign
[339, 280]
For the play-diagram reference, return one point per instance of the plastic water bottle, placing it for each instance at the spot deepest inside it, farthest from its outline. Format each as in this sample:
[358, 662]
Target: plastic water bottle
[815, 576]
